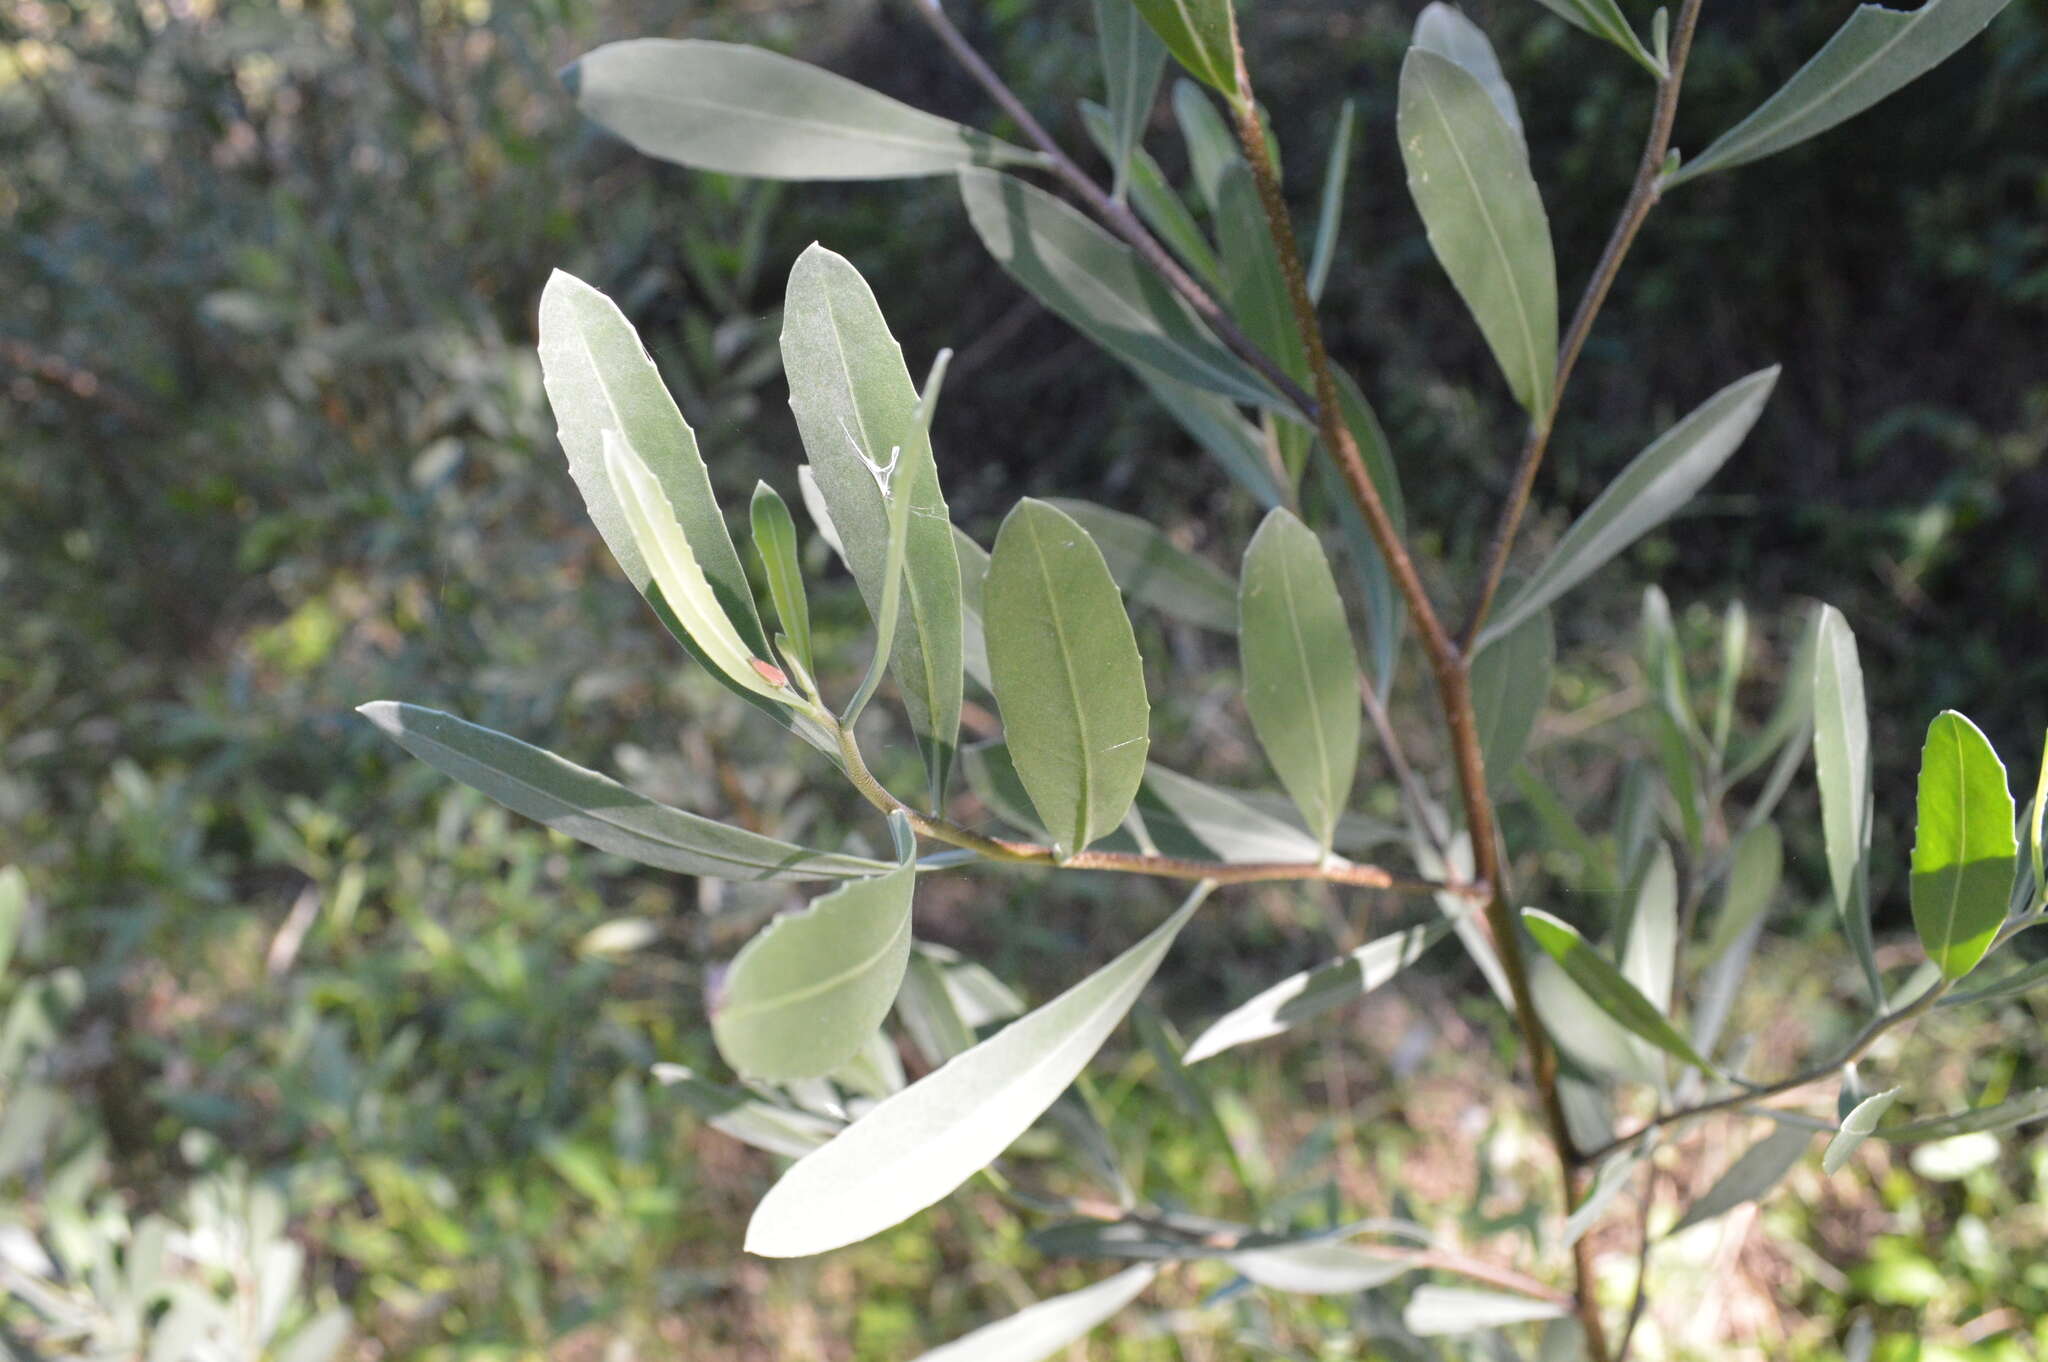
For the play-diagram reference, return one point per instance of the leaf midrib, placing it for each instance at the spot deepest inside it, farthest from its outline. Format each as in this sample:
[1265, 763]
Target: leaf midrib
[1087, 766]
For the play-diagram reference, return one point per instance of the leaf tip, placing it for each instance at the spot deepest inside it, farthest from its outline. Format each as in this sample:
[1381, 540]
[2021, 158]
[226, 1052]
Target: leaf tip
[571, 77]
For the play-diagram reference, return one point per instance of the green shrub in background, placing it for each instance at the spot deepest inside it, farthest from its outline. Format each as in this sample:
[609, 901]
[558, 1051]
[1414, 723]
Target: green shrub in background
[1620, 1057]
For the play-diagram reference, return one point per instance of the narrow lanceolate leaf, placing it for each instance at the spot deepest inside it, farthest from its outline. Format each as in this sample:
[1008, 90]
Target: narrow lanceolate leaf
[805, 995]
[1039, 1331]
[1156, 200]
[1434, 1311]
[920, 1144]
[1298, 997]
[1151, 568]
[13, 911]
[1214, 423]
[858, 414]
[775, 545]
[2014, 1111]
[1067, 675]
[1133, 60]
[1606, 986]
[651, 521]
[1099, 286]
[2023, 980]
[1761, 1167]
[598, 810]
[1212, 146]
[1965, 853]
[1202, 35]
[1752, 883]
[1255, 283]
[1510, 681]
[1856, 1128]
[745, 111]
[1317, 1269]
[1841, 760]
[1660, 480]
[1469, 175]
[1870, 57]
[1603, 19]
[747, 1117]
[1189, 818]
[599, 378]
[1330, 213]
[1442, 29]
[1300, 668]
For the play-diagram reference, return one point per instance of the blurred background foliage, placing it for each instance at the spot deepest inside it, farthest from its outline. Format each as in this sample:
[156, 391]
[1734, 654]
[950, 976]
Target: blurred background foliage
[275, 444]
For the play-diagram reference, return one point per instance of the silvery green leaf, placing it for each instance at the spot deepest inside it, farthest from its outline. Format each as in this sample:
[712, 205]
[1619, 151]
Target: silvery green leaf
[1584, 1032]
[1300, 668]
[992, 776]
[746, 111]
[917, 1146]
[1870, 57]
[1510, 682]
[1151, 568]
[1434, 1311]
[1330, 216]
[1856, 1128]
[1660, 480]
[1444, 30]
[1469, 175]
[1039, 1331]
[1752, 883]
[1608, 1180]
[598, 810]
[1212, 147]
[1133, 60]
[1068, 678]
[746, 1117]
[1187, 817]
[1751, 1177]
[1099, 285]
[1213, 423]
[973, 635]
[808, 992]
[2023, 980]
[1295, 999]
[1607, 987]
[1255, 285]
[860, 420]
[1325, 1268]
[1603, 19]
[1157, 202]
[2014, 1111]
[775, 544]
[1965, 853]
[1649, 955]
[1841, 760]
[926, 1010]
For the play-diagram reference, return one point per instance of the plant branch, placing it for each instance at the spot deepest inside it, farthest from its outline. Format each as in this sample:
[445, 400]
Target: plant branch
[1118, 217]
[1642, 197]
[1856, 1049]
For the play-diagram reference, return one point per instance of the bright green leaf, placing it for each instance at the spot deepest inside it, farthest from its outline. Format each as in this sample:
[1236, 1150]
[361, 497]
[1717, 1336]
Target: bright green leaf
[1300, 668]
[1607, 987]
[1510, 681]
[1133, 60]
[1066, 673]
[745, 111]
[1660, 480]
[1100, 286]
[1202, 35]
[1295, 999]
[917, 1146]
[1856, 1128]
[1469, 175]
[1964, 851]
[597, 810]
[1151, 568]
[804, 995]
[1870, 57]
[858, 414]
[2015, 1111]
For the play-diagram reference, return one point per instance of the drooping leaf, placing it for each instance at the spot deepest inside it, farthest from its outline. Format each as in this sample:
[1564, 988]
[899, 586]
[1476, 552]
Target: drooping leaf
[1068, 678]
[858, 414]
[1607, 987]
[2014, 1111]
[748, 1117]
[1151, 568]
[1300, 668]
[1100, 286]
[1856, 1128]
[1510, 681]
[1325, 1268]
[1187, 817]
[1965, 853]
[1870, 57]
[1762, 1166]
[1039, 1331]
[776, 546]
[1434, 1311]
[663, 546]
[917, 1146]
[746, 111]
[1157, 202]
[1469, 176]
[1202, 35]
[1841, 760]
[1298, 997]
[1444, 30]
[1330, 214]
[806, 994]
[1133, 60]
[598, 377]
[1603, 19]
[1660, 480]
[598, 810]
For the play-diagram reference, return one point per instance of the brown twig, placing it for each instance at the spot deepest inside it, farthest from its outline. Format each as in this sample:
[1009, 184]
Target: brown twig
[1642, 197]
